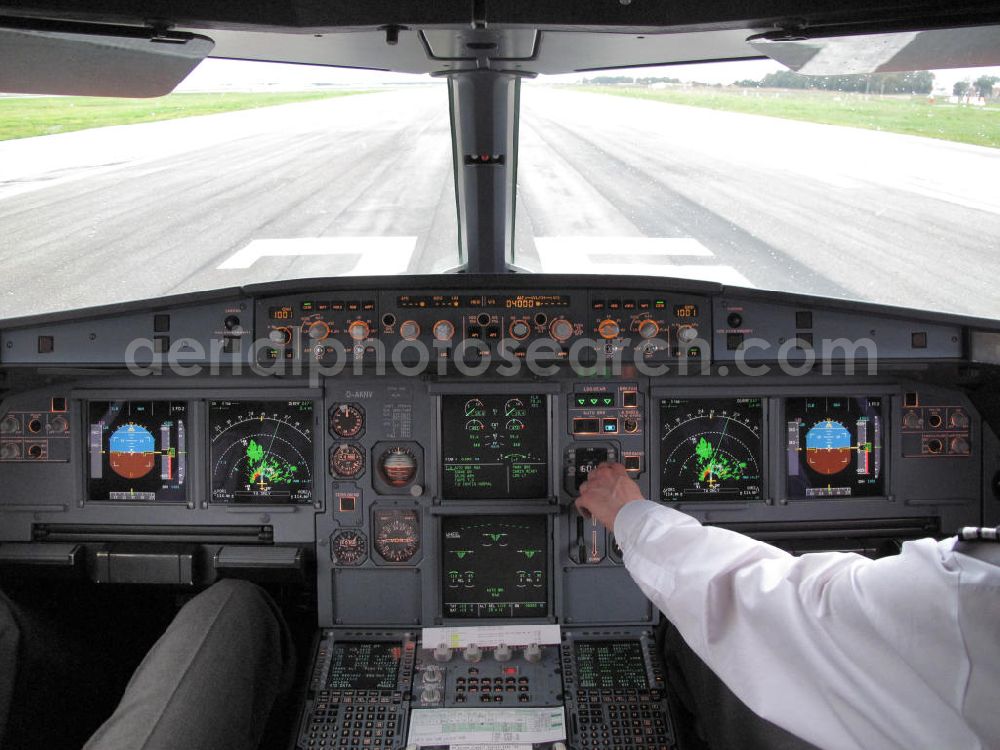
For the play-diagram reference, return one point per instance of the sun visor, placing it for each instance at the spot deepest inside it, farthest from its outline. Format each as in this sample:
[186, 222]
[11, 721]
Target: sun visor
[812, 53]
[95, 60]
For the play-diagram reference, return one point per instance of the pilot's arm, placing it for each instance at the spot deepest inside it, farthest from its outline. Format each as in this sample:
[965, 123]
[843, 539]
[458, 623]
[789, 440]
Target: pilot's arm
[841, 650]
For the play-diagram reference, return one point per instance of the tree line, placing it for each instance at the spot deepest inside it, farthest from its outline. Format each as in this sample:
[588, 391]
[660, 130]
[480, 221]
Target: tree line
[612, 80]
[982, 86]
[916, 82]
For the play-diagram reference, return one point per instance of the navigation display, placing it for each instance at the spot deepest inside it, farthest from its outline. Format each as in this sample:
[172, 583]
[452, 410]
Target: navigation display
[261, 451]
[494, 447]
[610, 664]
[834, 447]
[137, 451]
[364, 665]
[494, 566]
[710, 449]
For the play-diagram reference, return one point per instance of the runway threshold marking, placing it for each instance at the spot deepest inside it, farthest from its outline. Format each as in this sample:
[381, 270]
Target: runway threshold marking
[372, 256]
[643, 256]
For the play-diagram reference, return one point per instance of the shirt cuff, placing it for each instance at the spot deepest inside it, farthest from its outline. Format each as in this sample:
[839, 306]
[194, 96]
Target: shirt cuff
[628, 519]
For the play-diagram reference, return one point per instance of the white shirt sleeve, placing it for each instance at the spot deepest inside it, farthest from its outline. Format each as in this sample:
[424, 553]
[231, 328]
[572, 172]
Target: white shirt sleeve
[843, 651]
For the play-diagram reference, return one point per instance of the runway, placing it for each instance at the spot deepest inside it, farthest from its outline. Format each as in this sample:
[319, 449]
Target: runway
[606, 184]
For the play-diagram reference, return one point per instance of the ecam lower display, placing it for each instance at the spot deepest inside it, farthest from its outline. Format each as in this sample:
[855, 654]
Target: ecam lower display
[494, 566]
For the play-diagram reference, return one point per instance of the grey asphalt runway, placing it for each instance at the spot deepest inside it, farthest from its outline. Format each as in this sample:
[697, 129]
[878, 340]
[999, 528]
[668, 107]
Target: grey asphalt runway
[606, 185]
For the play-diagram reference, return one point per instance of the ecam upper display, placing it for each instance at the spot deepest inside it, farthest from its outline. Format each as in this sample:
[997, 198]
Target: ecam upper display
[494, 447]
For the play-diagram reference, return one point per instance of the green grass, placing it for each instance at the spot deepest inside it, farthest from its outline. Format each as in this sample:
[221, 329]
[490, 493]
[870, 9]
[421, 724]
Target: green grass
[896, 114]
[24, 117]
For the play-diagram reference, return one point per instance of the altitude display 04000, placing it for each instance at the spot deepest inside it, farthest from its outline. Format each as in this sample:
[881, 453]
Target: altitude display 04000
[261, 451]
[710, 449]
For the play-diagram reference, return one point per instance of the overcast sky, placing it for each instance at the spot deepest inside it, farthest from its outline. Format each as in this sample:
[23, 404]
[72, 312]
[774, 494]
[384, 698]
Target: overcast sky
[231, 74]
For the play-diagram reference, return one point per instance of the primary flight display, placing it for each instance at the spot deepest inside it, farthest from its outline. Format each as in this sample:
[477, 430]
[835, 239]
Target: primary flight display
[834, 447]
[137, 451]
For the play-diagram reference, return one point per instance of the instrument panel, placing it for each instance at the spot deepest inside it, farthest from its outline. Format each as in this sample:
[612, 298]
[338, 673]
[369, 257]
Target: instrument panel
[412, 456]
[456, 497]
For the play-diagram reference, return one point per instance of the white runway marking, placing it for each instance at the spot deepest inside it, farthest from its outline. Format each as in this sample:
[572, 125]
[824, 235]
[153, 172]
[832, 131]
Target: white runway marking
[649, 256]
[373, 256]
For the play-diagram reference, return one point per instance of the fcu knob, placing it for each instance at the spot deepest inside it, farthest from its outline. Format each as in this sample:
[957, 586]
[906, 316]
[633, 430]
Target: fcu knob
[444, 330]
[502, 652]
[319, 330]
[442, 653]
[648, 329]
[472, 653]
[358, 330]
[561, 329]
[409, 329]
[519, 330]
[609, 329]
[430, 695]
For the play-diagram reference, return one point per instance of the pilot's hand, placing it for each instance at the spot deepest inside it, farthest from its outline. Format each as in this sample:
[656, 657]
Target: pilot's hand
[607, 490]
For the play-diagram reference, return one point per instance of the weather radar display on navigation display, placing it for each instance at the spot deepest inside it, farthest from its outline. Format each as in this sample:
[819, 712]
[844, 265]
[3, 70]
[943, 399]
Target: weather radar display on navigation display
[710, 449]
[834, 447]
[137, 451]
[262, 451]
[494, 447]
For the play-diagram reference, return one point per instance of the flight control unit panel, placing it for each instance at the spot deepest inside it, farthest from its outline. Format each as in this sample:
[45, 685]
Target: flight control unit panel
[411, 458]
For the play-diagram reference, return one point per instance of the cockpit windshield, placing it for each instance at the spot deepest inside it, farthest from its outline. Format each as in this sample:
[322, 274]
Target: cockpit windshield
[879, 188]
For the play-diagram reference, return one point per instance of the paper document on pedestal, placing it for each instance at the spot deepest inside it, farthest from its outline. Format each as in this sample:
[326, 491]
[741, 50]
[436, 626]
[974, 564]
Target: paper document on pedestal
[486, 726]
[491, 636]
